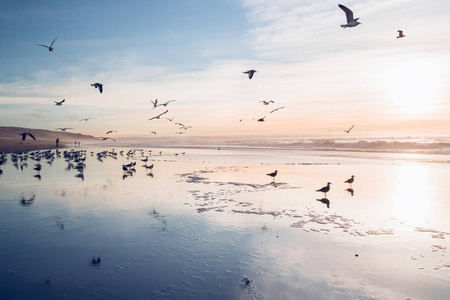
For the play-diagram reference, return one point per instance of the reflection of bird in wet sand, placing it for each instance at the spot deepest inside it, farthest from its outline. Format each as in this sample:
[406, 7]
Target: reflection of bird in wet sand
[50, 48]
[349, 15]
[400, 34]
[351, 191]
[99, 86]
[350, 181]
[273, 174]
[325, 200]
[266, 102]
[159, 116]
[59, 103]
[250, 73]
[325, 189]
[25, 134]
[348, 130]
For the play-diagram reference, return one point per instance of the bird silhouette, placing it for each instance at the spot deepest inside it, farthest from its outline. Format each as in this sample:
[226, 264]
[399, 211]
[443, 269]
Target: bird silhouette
[63, 129]
[261, 119]
[25, 134]
[400, 34]
[325, 200]
[165, 104]
[273, 174]
[266, 102]
[99, 86]
[349, 15]
[60, 102]
[350, 181]
[277, 109]
[50, 48]
[250, 73]
[348, 130]
[86, 119]
[325, 189]
[159, 116]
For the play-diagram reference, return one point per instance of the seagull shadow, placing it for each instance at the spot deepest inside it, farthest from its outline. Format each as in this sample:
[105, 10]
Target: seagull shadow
[325, 201]
[351, 191]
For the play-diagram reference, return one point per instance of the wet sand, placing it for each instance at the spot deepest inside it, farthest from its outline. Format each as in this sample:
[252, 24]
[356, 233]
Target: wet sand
[211, 224]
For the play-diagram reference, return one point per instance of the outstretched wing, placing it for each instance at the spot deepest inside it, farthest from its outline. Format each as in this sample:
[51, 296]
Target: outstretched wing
[348, 13]
[43, 45]
[52, 43]
[32, 136]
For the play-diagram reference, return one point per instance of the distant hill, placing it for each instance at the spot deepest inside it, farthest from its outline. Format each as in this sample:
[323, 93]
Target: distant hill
[11, 141]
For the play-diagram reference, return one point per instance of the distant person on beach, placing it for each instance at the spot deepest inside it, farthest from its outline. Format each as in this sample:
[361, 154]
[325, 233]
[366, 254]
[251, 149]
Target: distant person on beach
[57, 142]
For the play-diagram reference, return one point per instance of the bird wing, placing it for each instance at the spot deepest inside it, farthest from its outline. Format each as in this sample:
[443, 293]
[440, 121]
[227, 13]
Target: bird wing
[348, 13]
[32, 136]
[52, 42]
[100, 88]
[43, 46]
[163, 113]
[400, 32]
[63, 100]
[351, 127]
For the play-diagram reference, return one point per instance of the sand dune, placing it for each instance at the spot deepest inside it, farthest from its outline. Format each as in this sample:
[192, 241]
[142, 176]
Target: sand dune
[11, 141]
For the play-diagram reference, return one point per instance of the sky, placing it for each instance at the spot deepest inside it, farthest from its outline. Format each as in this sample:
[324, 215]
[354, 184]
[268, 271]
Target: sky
[324, 77]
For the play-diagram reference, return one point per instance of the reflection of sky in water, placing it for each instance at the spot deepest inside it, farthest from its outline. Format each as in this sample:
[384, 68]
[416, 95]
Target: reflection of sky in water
[208, 219]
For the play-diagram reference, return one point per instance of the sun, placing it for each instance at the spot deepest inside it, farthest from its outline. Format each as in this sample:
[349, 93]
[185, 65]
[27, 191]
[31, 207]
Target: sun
[412, 88]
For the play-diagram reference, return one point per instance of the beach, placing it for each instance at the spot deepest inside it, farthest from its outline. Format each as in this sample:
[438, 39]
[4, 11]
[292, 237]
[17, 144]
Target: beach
[210, 224]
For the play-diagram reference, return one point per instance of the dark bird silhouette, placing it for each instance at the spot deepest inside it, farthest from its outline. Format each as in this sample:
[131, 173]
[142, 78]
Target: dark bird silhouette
[400, 34]
[110, 131]
[155, 103]
[60, 102]
[349, 15]
[325, 200]
[25, 134]
[325, 189]
[273, 174]
[154, 132]
[261, 119]
[277, 109]
[85, 119]
[63, 129]
[348, 130]
[99, 86]
[170, 119]
[266, 102]
[250, 73]
[158, 116]
[50, 48]
[350, 181]
[351, 191]
[105, 138]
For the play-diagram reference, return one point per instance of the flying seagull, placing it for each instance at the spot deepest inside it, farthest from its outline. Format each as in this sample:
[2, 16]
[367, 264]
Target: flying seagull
[110, 131]
[261, 119]
[349, 14]
[250, 73]
[85, 119]
[63, 129]
[165, 104]
[348, 131]
[154, 132]
[325, 189]
[24, 135]
[158, 116]
[266, 102]
[170, 119]
[60, 102]
[400, 34]
[105, 138]
[49, 48]
[277, 109]
[99, 86]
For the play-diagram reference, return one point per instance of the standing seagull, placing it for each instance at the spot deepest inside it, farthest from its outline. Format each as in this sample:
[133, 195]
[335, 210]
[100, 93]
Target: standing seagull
[99, 86]
[60, 102]
[158, 116]
[350, 181]
[349, 14]
[250, 73]
[325, 189]
[400, 34]
[24, 135]
[273, 174]
[49, 48]
[348, 131]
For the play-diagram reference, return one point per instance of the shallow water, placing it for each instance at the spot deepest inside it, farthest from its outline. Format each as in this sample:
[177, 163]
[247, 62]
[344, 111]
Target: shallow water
[210, 224]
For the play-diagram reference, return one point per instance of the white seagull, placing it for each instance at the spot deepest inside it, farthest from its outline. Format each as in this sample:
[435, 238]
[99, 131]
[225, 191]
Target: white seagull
[50, 48]
[250, 73]
[99, 86]
[349, 14]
